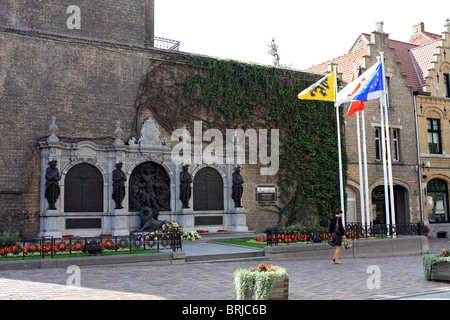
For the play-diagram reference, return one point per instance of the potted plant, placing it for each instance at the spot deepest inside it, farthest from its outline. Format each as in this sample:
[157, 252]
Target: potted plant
[264, 282]
[436, 267]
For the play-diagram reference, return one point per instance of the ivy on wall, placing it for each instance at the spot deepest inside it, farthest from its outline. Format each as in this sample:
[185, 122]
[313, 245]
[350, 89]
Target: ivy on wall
[252, 96]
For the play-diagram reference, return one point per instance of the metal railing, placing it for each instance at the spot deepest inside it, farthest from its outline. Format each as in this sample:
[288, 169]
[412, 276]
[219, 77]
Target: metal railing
[353, 231]
[49, 247]
[163, 43]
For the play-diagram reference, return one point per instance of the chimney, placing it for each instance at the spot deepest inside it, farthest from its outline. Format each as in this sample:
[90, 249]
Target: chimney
[418, 28]
[380, 26]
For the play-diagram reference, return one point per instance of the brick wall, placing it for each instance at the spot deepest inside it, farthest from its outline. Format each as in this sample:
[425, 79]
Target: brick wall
[87, 88]
[114, 20]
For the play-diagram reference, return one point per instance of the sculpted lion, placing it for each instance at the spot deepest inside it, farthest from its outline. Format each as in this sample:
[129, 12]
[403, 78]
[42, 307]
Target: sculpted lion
[148, 222]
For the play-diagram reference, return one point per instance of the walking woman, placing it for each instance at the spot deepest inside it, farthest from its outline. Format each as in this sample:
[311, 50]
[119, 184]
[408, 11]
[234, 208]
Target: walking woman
[337, 234]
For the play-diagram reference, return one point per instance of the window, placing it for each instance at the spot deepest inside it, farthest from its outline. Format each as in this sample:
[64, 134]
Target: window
[447, 85]
[395, 145]
[377, 143]
[437, 204]
[434, 136]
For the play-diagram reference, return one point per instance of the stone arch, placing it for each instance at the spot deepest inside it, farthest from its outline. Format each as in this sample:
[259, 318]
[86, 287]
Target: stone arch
[433, 112]
[437, 200]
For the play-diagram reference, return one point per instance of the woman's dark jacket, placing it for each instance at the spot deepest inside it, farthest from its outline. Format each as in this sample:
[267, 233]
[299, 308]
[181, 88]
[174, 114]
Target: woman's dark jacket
[333, 225]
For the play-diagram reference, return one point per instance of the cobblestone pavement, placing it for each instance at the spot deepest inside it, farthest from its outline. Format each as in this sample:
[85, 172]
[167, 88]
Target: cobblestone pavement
[311, 279]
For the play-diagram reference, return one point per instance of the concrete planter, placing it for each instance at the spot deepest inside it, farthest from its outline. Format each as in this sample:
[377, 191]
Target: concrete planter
[280, 290]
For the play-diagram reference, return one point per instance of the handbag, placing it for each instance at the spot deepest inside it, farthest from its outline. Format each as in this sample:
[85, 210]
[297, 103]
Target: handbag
[347, 244]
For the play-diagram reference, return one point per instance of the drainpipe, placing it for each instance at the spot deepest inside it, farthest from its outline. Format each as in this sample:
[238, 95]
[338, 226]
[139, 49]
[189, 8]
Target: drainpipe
[416, 93]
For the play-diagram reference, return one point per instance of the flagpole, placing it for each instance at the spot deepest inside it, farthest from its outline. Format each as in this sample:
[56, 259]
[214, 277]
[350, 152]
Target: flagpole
[383, 147]
[366, 179]
[361, 189]
[341, 182]
[358, 139]
[388, 143]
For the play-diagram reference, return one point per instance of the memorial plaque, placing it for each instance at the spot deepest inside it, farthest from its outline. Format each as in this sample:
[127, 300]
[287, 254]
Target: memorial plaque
[84, 189]
[266, 194]
[208, 220]
[95, 223]
[208, 190]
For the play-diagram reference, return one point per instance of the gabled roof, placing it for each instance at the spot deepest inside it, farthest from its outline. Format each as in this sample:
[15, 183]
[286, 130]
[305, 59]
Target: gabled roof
[423, 38]
[415, 57]
[345, 63]
[421, 57]
[402, 54]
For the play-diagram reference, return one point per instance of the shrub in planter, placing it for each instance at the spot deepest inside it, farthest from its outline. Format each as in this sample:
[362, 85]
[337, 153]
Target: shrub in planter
[259, 281]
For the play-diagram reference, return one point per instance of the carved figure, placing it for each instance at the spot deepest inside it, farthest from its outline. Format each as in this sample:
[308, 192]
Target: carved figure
[52, 190]
[148, 222]
[185, 186]
[149, 133]
[119, 178]
[237, 189]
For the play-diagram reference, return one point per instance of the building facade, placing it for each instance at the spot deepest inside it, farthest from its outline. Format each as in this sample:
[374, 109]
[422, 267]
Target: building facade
[417, 74]
[432, 103]
[364, 53]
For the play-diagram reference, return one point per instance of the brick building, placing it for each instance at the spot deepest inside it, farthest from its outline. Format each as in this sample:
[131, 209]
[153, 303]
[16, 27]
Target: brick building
[90, 66]
[417, 79]
[432, 101]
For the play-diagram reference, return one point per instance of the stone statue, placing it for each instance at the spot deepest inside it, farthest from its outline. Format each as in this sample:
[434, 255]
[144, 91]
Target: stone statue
[185, 186]
[119, 178]
[237, 188]
[148, 222]
[52, 190]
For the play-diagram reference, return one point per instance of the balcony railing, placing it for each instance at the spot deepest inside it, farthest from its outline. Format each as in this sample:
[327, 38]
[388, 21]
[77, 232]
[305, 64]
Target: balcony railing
[168, 44]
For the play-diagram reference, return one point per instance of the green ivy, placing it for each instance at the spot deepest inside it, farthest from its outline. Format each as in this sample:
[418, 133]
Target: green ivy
[240, 93]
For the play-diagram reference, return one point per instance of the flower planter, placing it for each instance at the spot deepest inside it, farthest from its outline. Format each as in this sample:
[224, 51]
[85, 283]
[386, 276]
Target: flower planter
[262, 283]
[280, 290]
[436, 267]
[440, 271]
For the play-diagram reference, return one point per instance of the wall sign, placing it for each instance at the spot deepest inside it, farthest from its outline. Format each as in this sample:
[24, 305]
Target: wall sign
[266, 194]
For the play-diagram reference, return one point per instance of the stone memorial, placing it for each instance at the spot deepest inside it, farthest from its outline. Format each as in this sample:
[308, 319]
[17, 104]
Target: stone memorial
[123, 187]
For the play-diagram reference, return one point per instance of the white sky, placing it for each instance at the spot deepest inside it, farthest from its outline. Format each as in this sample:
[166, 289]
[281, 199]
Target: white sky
[306, 32]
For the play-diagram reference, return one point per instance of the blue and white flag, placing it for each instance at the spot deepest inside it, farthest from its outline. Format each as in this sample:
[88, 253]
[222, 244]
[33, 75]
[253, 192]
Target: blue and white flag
[373, 88]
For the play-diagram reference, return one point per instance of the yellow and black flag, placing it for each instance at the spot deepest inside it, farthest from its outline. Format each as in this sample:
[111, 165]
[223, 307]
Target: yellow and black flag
[321, 90]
